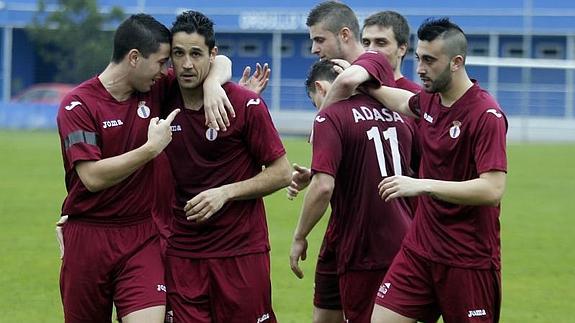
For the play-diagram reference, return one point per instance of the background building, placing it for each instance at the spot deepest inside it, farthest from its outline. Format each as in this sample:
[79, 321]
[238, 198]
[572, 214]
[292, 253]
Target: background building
[521, 50]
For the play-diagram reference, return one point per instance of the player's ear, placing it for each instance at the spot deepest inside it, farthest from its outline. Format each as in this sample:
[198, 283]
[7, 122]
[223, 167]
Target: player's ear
[213, 54]
[133, 56]
[457, 62]
[345, 34]
[320, 88]
[402, 50]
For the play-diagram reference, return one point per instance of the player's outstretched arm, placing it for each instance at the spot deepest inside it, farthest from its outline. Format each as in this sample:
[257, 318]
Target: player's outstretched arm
[275, 176]
[345, 84]
[104, 173]
[488, 189]
[393, 98]
[300, 178]
[216, 102]
[315, 203]
[258, 81]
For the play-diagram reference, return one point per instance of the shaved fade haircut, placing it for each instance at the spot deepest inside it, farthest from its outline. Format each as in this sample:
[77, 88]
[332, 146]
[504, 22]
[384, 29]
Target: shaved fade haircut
[320, 71]
[195, 22]
[444, 29]
[141, 32]
[393, 20]
[334, 15]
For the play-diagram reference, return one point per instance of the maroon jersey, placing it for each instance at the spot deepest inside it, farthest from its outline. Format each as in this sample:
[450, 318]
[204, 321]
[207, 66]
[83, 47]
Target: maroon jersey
[93, 126]
[359, 142]
[408, 85]
[458, 144]
[203, 158]
[378, 67]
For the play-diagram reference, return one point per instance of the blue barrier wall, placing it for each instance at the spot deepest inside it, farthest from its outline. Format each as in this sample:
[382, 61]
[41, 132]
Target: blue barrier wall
[27, 116]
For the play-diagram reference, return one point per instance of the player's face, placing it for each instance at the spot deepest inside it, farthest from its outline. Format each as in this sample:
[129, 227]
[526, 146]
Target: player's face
[382, 39]
[433, 66]
[325, 44]
[191, 58]
[151, 69]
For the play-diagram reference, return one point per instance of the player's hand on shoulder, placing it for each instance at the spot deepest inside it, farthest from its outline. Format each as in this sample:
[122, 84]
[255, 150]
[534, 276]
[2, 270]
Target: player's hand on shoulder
[301, 177]
[60, 235]
[217, 105]
[298, 251]
[204, 205]
[160, 132]
[258, 81]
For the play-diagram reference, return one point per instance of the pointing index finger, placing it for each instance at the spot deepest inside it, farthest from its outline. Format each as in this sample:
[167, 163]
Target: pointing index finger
[172, 116]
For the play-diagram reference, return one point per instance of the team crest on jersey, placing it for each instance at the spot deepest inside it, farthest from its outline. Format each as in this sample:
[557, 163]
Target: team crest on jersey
[211, 134]
[455, 130]
[143, 110]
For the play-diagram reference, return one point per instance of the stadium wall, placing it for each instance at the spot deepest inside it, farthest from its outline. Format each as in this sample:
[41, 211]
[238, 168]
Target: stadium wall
[16, 116]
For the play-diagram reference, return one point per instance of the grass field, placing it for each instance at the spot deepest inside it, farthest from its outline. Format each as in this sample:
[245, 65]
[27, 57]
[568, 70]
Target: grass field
[537, 233]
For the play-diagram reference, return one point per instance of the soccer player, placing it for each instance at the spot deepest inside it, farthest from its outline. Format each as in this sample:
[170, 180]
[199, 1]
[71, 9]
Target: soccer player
[388, 33]
[110, 135]
[356, 143]
[218, 265]
[449, 264]
[334, 31]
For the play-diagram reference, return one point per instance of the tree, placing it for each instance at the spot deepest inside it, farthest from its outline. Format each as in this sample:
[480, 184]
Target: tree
[74, 38]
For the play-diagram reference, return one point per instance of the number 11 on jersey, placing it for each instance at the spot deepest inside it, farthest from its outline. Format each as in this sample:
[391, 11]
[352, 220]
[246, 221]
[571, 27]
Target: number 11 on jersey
[390, 134]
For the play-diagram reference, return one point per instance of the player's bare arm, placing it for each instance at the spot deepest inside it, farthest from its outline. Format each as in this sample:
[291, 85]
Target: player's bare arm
[346, 84]
[273, 177]
[488, 189]
[104, 173]
[393, 98]
[258, 81]
[315, 204]
[216, 102]
[300, 178]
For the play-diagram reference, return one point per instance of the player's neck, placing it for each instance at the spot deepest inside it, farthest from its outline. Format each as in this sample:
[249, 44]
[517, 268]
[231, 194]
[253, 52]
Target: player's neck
[397, 73]
[456, 89]
[116, 82]
[193, 98]
[355, 50]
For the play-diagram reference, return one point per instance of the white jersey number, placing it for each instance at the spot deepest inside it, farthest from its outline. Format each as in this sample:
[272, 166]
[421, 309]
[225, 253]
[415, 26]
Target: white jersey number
[390, 134]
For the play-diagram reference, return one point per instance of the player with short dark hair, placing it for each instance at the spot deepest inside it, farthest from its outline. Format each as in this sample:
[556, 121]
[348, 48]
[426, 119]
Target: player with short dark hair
[356, 143]
[110, 137]
[450, 262]
[109, 134]
[388, 33]
[218, 265]
[334, 32]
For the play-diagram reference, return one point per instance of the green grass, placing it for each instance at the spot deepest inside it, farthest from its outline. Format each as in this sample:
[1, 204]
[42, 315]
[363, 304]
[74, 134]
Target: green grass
[537, 233]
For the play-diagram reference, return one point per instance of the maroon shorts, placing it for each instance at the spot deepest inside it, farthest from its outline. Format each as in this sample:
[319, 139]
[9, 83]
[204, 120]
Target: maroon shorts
[105, 265]
[232, 289]
[326, 291]
[358, 291]
[421, 289]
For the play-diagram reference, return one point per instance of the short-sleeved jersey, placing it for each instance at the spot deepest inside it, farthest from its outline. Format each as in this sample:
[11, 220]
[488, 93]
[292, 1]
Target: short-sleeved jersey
[93, 125]
[359, 142]
[458, 143]
[378, 67]
[202, 158]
